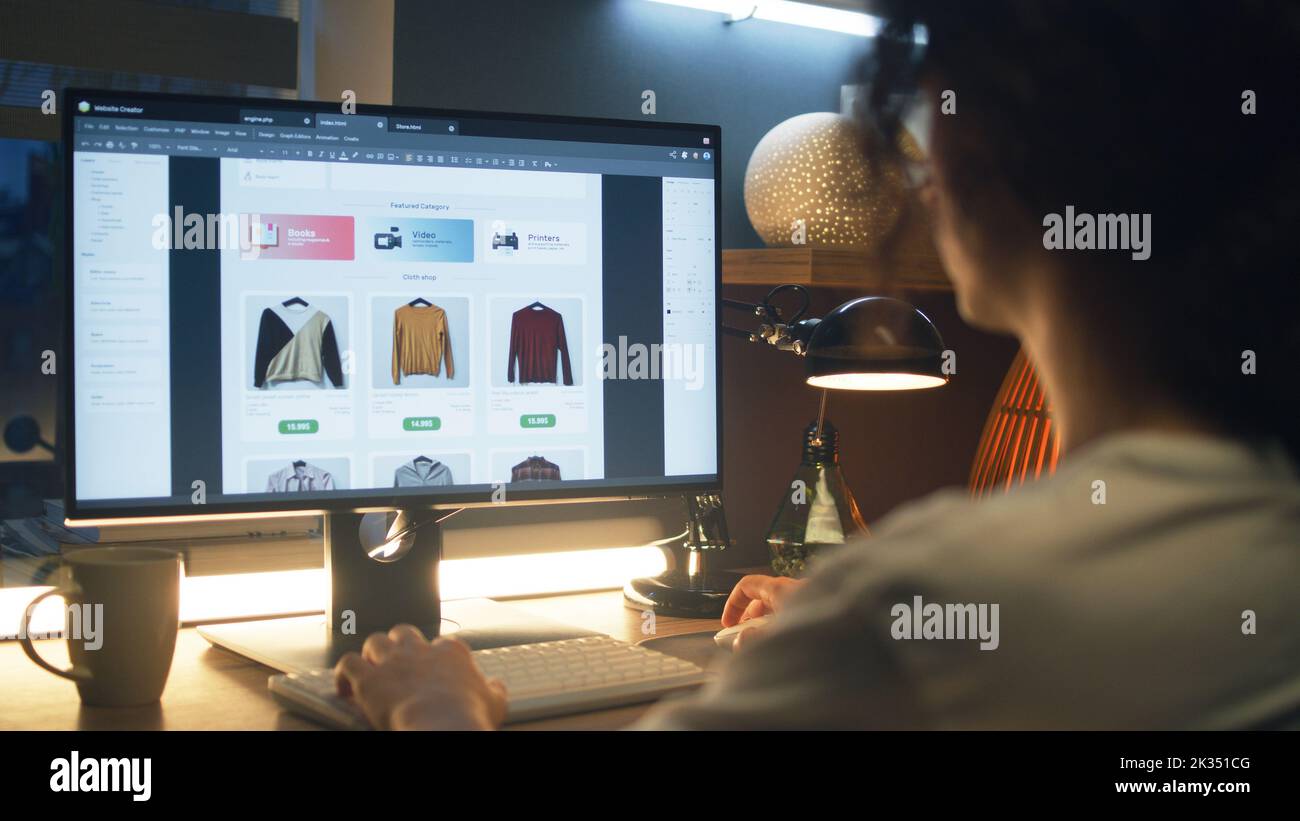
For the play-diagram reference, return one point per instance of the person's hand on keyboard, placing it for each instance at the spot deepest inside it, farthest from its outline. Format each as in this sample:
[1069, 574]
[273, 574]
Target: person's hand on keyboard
[402, 681]
[752, 598]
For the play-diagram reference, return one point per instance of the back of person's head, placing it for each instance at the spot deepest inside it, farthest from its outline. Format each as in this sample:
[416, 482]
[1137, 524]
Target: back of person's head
[1180, 110]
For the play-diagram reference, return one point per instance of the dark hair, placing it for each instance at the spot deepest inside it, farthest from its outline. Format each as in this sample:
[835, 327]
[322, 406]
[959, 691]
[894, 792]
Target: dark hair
[1129, 106]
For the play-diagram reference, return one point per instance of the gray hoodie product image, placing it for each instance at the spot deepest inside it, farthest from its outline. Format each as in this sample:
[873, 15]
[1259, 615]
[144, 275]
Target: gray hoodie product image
[422, 472]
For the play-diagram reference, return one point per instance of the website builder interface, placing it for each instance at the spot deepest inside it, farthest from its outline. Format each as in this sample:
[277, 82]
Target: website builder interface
[258, 318]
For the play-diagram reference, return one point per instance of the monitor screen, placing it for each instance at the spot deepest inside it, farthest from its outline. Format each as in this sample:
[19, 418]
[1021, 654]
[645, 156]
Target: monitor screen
[281, 306]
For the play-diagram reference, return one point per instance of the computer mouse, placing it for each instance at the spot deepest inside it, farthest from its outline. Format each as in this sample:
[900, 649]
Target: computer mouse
[726, 637]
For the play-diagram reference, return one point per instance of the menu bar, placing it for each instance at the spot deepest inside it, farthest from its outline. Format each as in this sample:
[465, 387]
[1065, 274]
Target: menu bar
[310, 152]
[129, 107]
[336, 138]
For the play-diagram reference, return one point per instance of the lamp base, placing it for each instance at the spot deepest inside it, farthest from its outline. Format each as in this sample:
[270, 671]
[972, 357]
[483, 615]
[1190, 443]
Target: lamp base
[674, 593]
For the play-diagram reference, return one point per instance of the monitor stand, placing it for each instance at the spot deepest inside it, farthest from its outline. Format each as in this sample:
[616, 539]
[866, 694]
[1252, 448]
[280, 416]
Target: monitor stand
[697, 591]
[383, 571]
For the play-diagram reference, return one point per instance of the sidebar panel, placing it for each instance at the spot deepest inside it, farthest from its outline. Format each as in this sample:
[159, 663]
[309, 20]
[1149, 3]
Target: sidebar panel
[122, 367]
[690, 353]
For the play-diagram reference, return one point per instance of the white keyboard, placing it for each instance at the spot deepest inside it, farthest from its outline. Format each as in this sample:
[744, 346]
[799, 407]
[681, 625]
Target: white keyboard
[546, 679]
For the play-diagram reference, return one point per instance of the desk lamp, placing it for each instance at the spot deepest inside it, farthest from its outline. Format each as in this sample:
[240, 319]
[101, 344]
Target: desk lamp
[867, 344]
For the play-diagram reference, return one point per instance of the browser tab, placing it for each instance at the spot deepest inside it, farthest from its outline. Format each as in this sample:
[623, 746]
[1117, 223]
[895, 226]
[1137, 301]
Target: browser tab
[415, 125]
[356, 123]
[249, 116]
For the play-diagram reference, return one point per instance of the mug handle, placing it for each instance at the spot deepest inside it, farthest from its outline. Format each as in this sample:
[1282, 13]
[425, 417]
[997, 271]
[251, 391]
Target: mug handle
[72, 673]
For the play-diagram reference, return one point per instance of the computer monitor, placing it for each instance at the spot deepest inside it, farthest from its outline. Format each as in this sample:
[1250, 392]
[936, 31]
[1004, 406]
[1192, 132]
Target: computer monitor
[275, 306]
[279, 306]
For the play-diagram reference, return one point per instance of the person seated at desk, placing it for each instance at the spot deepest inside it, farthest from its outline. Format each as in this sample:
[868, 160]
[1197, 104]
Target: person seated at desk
[1170, 363]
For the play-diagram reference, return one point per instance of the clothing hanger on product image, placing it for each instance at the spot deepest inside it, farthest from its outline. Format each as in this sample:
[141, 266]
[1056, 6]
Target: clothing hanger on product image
[297, 300]
[418, 301]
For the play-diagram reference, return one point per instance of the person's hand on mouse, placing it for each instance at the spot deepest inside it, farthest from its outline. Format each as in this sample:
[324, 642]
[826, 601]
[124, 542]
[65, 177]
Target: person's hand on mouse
[402, 681]
[753, 597]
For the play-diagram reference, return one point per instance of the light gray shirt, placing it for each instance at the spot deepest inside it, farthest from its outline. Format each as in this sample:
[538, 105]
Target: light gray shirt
[1154, 582]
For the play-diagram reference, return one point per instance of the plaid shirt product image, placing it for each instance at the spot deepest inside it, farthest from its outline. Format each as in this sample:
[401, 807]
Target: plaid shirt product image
[535, 469]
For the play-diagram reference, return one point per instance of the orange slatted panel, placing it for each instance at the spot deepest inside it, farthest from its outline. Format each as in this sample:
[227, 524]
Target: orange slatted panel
[1029, 449]
[998, 422]
[1042, 448]
[1010, 461]
[991, 439]
[1017, 432]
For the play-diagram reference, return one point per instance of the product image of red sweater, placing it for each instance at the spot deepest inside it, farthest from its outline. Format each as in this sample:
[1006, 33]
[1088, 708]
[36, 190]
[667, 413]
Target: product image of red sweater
[536, 335]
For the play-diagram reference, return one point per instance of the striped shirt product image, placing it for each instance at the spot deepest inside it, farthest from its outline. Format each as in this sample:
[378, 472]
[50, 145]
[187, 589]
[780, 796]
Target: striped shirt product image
[299, 477]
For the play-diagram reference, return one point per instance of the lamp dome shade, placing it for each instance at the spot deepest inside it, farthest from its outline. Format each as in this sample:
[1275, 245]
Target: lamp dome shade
[875, 343]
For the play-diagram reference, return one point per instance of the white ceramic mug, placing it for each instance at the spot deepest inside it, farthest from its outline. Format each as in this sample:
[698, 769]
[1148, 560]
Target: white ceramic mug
[120, 624]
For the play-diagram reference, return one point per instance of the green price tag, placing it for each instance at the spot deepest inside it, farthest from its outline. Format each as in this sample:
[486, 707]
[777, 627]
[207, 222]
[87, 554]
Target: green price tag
[421, 423]
[537, 420]
[299, 426]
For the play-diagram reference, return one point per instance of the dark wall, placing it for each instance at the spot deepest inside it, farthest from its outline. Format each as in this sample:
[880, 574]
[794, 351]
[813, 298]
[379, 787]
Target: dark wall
[594, 58]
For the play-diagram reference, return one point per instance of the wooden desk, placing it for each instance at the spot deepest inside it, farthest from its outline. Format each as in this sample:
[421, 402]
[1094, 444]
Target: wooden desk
[211, 689]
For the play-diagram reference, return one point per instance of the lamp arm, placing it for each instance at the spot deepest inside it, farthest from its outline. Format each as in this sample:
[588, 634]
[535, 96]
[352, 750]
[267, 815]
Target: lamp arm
[752, 307]
[786, 335]
[749, 336]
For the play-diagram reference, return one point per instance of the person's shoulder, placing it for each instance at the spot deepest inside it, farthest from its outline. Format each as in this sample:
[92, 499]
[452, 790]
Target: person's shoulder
[1129, 489]
[1016, 530]
[952, 519]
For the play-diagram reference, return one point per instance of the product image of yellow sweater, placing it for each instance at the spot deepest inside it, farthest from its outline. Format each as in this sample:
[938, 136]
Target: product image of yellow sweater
[420, 342]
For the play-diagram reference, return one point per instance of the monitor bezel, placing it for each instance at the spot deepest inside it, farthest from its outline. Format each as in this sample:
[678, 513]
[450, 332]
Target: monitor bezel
[109, 511]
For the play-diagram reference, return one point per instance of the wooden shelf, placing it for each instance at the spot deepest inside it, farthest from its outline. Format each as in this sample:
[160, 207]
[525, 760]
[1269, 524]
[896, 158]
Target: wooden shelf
[913, 265]
[829, 268]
